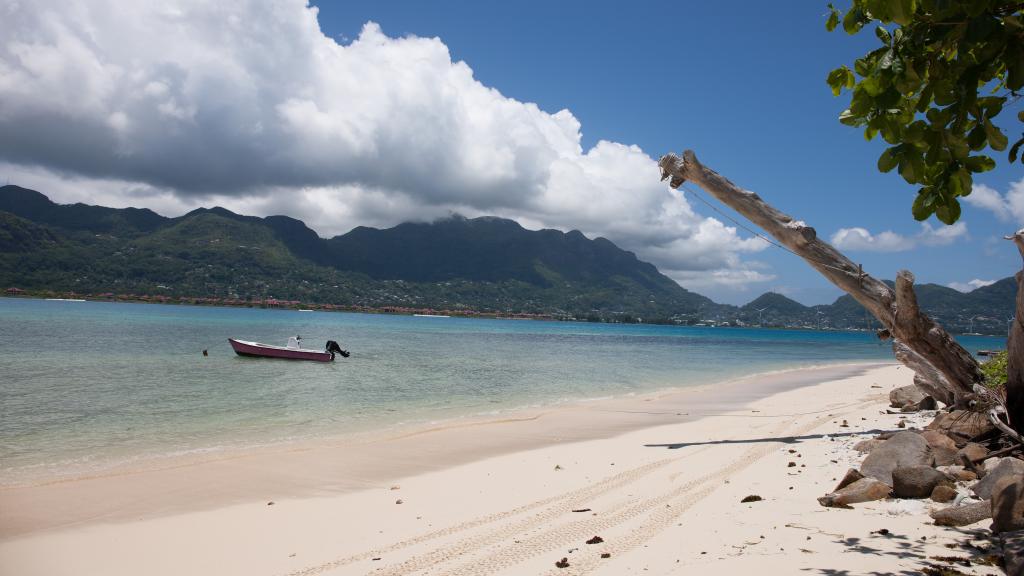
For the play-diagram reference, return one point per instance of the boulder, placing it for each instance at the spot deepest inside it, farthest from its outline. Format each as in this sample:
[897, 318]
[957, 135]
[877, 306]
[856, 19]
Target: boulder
[975, 452]
[963, 515]
[928, 403]
[1007, 467]
[865, 446]
[916, 481]
[852, 475]
[863, 490]
[965, 476]
[1013, 552]
[938, 439]
[908, 395]
[963, 423]
[943, 493]
[958, 473]
[943, 447]
[903, 449]
[1008, 504]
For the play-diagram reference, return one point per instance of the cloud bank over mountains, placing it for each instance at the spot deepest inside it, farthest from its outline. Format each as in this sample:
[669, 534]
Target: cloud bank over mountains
[177, 104]
[861, 239]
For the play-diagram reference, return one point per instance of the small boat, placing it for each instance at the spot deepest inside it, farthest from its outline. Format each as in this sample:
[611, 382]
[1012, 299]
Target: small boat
[293, 351]
[431, 316]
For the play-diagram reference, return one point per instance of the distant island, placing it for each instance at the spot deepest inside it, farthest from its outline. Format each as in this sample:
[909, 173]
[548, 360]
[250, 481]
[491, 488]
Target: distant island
[455, 266]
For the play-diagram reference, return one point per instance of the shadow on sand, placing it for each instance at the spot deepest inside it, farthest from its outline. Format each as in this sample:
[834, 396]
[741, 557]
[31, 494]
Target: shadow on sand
[977, 547]
[782, 439]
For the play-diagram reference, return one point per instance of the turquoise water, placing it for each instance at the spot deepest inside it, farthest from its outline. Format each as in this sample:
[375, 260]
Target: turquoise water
[89, 385]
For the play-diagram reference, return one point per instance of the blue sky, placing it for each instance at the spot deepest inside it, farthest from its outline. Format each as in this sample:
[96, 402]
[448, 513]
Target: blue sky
[742, 84]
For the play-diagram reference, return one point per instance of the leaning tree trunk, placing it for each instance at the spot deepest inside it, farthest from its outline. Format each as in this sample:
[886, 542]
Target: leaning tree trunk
[933, 349]
[1015, 351]
[926, 377]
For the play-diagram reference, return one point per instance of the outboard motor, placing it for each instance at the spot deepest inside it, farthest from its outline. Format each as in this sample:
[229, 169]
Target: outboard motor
[333, 347]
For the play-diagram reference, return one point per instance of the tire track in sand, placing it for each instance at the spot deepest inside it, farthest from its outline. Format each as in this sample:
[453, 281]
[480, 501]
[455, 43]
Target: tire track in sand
[556, 505]
[663, 511]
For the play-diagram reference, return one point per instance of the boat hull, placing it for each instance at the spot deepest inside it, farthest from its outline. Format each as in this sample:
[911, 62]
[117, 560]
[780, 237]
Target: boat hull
[257, 350]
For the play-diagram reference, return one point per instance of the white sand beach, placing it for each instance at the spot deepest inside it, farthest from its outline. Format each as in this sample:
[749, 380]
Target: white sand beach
[657, 478]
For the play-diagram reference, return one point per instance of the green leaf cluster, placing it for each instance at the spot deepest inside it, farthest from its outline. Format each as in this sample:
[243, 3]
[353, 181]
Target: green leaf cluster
[995, 370]
[933, 89]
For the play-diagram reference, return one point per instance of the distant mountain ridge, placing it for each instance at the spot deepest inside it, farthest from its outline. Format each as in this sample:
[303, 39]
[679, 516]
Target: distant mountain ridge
[482, 263]
[485, 264]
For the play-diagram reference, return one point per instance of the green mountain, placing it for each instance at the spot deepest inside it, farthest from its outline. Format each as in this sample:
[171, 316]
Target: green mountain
[484, 264]
[985, 310]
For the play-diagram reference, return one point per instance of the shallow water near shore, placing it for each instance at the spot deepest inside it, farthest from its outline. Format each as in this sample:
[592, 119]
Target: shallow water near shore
[88, 386]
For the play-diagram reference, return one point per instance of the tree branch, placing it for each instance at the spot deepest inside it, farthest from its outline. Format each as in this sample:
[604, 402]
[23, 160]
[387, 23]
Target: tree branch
[897, 311]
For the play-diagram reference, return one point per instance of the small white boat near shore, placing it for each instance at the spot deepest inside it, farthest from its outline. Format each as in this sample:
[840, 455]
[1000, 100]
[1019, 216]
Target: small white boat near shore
[293, 351]
[431, 315]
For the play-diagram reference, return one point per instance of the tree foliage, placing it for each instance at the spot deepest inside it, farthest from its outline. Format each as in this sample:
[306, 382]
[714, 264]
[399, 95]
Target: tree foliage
[995, 370]
[945, 70]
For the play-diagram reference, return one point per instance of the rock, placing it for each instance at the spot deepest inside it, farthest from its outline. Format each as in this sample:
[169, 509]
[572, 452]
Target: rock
[1013, 552]
[751, 498]
[908, 395]
[958, 473]
[943, 493]
[989, 464]
[609, 554]
[852, 475]
[865, 446]
[962, 423]
[928, 403]
[943, 447]
[938, 439]
[863, 490]
[1008, 504]
[595, 540]
[1007, 467]
[916, 481]
[563, 563]
[975, 452]
[965, 476]
[903, 449]
[963, 515]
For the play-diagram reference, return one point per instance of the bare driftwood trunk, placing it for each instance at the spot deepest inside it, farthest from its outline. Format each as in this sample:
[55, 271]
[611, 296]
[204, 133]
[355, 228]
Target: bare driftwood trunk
[897, 309]
[926, 377]
[1015, 351]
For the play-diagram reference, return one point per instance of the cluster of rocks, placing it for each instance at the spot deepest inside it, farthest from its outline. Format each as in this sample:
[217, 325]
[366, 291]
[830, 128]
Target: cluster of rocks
[945, 463]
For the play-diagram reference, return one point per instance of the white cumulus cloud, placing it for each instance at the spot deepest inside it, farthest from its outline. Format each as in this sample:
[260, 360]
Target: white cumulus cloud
[173, 104]
[970, 284]
[861, 239]
[1007, 207]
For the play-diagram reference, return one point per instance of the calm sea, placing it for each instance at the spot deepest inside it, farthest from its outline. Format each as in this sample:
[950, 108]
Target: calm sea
[85, 386]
